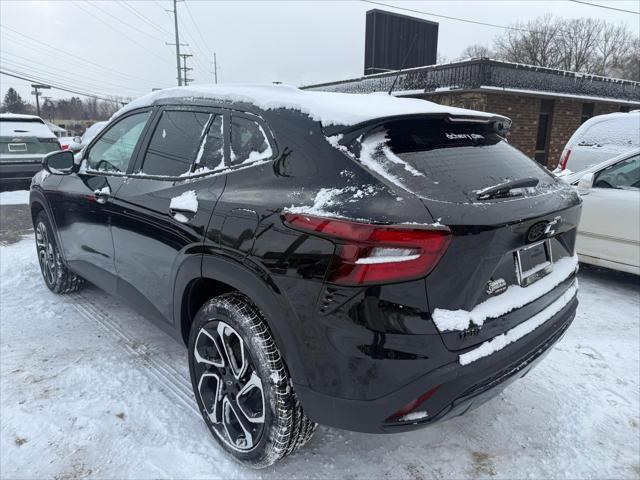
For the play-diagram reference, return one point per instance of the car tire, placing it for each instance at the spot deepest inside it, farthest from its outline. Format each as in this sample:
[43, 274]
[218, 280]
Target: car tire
[58, 278]
[241, 384]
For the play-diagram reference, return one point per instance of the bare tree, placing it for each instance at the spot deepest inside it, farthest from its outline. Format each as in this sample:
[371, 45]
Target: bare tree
[534, 42]
[476, 51]
[578, 43]
[583, 45]
[627, 65]
[614, 42]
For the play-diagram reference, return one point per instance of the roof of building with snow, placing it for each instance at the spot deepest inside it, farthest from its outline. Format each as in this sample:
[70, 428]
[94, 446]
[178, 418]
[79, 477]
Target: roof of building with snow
[484, 74]
[329, 108]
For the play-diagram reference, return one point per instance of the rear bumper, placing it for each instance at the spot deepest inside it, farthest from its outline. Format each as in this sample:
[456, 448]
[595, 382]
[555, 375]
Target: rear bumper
[12, 172]
[460, 387]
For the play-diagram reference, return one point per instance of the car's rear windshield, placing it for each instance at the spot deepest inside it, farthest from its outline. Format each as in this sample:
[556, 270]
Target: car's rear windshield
[444, 160]
[32, 127]
[620, 131]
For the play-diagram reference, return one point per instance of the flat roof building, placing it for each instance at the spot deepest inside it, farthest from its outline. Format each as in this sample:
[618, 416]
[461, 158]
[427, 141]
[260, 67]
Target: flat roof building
[546, 105]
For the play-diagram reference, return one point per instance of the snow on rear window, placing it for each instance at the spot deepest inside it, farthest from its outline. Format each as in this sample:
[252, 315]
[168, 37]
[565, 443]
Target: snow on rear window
[24, 129]
[620, 131]
[438, 160]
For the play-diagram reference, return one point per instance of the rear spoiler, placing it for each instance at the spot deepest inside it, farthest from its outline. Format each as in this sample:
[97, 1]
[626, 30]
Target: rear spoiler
[500, 124]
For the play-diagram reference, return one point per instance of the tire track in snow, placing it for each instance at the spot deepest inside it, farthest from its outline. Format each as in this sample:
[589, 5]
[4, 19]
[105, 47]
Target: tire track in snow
[165, 374]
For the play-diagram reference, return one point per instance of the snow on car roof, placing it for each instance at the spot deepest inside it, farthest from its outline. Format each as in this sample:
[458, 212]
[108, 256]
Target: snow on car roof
[19, 116]
[329, 108]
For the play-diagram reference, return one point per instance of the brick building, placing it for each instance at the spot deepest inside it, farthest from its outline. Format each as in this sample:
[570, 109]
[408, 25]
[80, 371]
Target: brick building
[545, 105]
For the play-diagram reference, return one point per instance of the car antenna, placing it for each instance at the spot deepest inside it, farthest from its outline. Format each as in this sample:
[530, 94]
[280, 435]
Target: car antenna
[404, 61]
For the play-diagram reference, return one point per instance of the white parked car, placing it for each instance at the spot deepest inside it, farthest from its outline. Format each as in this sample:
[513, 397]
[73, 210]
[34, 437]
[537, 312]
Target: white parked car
[70, 143]
[601, 138]
[609, 230]
[91, 132]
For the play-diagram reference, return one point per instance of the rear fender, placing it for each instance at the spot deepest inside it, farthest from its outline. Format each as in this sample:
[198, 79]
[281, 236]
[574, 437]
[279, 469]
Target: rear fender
[259, 288]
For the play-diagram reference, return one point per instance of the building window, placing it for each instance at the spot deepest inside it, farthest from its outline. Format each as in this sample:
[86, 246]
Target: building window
[544, 128]
[587, 112]
[624, 108]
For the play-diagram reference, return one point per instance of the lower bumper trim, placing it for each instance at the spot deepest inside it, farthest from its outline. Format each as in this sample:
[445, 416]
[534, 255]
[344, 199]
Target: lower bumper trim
[498, 343]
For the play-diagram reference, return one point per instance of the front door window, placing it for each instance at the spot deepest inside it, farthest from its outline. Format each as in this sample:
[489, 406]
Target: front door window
[114, 150]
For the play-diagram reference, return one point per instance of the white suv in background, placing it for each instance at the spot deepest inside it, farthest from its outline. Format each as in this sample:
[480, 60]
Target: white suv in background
[601, 138]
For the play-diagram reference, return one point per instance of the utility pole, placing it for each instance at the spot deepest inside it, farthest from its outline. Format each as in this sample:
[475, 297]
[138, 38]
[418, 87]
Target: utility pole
[185, 69]
[177, 44]
[37, 94]
[215, 67]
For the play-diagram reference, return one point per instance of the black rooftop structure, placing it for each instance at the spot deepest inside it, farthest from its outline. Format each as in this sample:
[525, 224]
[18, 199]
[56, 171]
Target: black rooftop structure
[483, 74]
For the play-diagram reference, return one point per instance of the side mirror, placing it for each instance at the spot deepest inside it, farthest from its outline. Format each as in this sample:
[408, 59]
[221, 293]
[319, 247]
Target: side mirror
[59, 163]
[585, 184]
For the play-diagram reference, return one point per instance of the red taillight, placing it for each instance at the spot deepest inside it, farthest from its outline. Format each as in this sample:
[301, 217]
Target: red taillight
[369, 253]
[564, 159]
[412, 405]
[63, 146]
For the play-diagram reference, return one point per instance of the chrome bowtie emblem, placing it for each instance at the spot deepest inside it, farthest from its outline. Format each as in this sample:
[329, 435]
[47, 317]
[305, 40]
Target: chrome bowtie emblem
[543, 229]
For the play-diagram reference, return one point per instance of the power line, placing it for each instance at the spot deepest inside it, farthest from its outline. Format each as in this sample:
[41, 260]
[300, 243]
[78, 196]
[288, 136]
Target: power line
[79, 5]
[74, 57]
[466, 20]
[22, 76]
[201, 66]
[56, 70]
[120, 20]
[62, 84]
[204, 43]
[605, 6]
[144, 18]
[448, 17]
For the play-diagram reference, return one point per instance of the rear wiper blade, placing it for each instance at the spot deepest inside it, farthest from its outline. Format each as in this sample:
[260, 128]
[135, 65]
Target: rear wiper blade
[505, 188]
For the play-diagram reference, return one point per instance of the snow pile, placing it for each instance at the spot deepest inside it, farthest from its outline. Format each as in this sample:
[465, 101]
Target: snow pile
[17, 197]
[185, 202]
[374, 155]
[500, 341]
[514, 297]
[329, 108]
[326, 198]
[413, 416]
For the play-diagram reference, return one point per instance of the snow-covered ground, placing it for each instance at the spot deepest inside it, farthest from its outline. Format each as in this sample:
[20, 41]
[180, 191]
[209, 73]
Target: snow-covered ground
[90, 389]
[15, 197]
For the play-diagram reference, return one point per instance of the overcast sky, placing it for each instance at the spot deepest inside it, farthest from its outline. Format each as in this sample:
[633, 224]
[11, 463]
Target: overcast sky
[117, 47]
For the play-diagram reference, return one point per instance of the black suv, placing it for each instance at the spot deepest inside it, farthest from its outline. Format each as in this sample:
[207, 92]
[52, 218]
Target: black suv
[359, 261]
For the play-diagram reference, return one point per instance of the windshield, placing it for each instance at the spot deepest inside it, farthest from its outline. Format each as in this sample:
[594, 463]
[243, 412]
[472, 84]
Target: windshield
[447, 161]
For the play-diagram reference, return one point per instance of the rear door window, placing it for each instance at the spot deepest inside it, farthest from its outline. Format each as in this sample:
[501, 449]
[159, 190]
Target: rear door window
[447, 161]
[249, 142]
[210, 155]
[175, 143]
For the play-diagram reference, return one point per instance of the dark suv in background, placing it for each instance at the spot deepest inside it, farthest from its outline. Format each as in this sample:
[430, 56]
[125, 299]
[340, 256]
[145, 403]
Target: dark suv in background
[361, 261]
